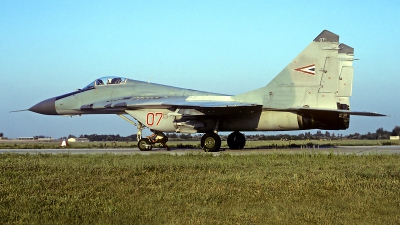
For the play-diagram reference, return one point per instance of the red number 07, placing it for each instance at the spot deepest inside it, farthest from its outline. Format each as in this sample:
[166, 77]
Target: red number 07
[153, 117]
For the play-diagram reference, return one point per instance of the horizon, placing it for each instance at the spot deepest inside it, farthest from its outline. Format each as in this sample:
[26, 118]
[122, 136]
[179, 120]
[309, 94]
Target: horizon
[51, 48]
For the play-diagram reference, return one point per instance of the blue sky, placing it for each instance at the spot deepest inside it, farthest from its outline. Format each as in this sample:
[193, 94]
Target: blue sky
[48, 48]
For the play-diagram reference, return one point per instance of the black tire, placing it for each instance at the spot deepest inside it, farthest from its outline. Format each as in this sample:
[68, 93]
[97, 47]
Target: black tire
[236, 140]
[165, 139]
[143, 144]
[210, 142]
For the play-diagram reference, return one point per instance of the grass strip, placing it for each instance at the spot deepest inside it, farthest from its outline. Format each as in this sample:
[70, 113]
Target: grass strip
[199, 188]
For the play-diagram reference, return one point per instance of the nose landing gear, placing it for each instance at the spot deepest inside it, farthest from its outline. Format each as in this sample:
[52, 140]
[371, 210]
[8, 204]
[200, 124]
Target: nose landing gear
[147, 143]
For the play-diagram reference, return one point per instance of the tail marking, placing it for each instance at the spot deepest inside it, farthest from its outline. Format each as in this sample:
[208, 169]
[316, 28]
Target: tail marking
[310, 69]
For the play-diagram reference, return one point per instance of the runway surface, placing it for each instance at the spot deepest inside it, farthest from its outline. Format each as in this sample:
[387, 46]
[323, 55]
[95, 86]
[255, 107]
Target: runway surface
[339, 150]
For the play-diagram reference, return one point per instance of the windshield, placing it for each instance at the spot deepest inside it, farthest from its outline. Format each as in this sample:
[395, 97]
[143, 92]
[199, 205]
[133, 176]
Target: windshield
[106, 81]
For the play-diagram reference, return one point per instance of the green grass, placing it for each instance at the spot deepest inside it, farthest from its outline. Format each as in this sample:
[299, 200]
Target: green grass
[199, 189]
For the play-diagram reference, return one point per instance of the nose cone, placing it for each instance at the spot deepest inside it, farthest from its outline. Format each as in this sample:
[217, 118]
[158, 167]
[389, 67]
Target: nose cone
[46, 107]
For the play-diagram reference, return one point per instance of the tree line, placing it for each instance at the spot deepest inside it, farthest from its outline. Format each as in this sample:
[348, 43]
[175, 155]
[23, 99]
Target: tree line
[380, 133]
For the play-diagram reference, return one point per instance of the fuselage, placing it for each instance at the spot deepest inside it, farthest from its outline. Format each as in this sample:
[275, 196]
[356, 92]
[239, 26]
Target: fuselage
[141, 100]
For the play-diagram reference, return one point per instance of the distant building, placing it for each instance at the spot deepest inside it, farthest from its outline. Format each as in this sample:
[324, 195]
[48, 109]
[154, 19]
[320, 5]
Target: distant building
[27, 138]
[35, 138]
[45, 139]
[394, 137]
[78, 140]
[3, 138]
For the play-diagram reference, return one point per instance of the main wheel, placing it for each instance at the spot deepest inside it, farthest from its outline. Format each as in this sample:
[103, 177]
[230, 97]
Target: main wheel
[210, 142]
[236, 140]
[144, 145]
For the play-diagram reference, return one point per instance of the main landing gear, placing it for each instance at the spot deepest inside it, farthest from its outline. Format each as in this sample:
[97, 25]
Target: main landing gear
[236, 140]
[211, 142]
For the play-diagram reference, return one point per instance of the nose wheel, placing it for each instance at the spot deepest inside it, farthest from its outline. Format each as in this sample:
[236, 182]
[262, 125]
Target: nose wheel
[144, 144]
[210, 142]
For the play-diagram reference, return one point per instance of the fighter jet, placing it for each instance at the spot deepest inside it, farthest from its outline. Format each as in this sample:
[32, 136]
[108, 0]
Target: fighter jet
[311, 92]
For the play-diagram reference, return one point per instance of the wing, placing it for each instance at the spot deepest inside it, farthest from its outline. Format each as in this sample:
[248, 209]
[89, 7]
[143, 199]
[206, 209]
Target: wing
[300, 110]
[216, 103]
[131, 103]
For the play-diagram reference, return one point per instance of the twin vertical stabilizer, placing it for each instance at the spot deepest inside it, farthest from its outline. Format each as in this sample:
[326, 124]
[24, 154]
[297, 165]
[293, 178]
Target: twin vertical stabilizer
[319, 77]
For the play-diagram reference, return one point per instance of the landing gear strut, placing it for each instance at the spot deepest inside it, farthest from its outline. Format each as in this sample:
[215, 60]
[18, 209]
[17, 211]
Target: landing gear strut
[139, 126]
[236, 140]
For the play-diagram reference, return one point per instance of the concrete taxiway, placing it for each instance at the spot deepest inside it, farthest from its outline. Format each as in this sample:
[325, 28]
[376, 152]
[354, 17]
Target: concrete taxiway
[338, 150]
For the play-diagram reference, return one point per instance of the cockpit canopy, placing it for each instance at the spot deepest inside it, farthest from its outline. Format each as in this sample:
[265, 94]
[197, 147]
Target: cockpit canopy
[111, 80]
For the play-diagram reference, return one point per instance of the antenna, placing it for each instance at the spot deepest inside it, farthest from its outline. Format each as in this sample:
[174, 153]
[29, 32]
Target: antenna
[19, 110]
[148, 81]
